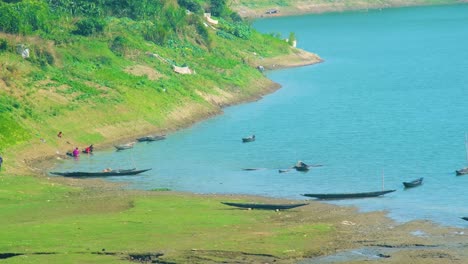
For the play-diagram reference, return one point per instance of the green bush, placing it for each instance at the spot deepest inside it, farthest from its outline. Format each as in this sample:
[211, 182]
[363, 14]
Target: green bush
[118, 45]
[24, 17]
[3, 44]
[191, 5]
[156, 33]
[89, 26]
[238, 29]
[43, 57]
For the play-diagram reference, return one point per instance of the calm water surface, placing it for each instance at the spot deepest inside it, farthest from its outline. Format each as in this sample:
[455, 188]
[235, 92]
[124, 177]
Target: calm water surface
[389, 99]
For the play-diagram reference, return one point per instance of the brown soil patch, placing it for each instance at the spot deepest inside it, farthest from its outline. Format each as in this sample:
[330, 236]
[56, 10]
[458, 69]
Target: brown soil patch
[219, 97]
[142, 70]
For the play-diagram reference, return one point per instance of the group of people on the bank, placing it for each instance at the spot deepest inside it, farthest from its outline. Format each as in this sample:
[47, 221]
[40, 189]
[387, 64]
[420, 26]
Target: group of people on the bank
[76, 152]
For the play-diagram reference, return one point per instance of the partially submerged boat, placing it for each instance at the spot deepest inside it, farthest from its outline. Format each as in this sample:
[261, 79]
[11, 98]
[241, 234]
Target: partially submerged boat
[327, 196]
[264, 206]
[465, 218]
[105, 173]
[413, 183]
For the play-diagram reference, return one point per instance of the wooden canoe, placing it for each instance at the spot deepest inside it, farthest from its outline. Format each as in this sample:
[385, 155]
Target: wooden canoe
[414, 183]
[264, 206]
[248, 139]
[80, 174]
[326, 196]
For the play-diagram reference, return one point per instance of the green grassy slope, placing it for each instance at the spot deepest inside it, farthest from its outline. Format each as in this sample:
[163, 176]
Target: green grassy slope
[119, 79]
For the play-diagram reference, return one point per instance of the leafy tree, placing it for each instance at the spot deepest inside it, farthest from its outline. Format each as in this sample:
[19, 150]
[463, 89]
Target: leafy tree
[218, 7]
[191, 5]
[24, 17]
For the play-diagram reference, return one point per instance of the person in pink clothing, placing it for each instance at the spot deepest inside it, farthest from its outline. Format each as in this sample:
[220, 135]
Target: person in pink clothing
[76, 152]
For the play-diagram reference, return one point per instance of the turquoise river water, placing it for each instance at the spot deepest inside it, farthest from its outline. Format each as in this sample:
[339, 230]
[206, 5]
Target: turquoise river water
[389, 100]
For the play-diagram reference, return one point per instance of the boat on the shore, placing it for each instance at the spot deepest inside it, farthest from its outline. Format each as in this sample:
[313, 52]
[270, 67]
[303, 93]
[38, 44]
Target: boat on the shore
[329, 196]
[125, 146]
[413, 183]
[248, 139]
[151, 138]
[264, 206]
[120, 172]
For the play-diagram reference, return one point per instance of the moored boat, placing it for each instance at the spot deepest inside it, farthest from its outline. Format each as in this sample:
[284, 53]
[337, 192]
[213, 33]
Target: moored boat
[301, 166]
[78, 174]
[125, 146]
[413, 183]
[248, 139]
[462, 171]
[151, 138]
[326, 196]
[465, 218]
[264, 206]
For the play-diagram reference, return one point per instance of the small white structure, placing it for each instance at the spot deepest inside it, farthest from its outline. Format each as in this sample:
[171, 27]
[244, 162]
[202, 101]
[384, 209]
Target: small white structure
[209, 19]
[182, 70]
[25, 53]
[22, 50]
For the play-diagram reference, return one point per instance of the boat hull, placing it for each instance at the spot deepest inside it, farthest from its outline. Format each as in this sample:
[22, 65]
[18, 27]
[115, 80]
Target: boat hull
[150, 138]
[123, 147]
[82, 174]
[264, 206]
[413, 183]
[329, 196]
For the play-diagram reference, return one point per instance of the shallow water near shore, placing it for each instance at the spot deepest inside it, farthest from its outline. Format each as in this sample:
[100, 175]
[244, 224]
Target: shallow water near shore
[389, 100]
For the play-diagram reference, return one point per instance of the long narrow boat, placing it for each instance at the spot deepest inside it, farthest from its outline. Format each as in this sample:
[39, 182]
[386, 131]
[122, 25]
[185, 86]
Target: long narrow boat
[465, 218]
[326, 196]
[414, 183]
[151, 138]
[99, 173]
[264, 206]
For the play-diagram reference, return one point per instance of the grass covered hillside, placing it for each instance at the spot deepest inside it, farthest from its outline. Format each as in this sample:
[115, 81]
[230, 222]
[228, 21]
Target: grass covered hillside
[100, 70]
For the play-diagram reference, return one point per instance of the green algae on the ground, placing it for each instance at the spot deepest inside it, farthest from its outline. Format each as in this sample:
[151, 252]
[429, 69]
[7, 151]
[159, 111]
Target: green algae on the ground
[48, 222]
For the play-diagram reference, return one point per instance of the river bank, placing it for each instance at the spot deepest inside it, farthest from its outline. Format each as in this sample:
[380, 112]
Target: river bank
[98, 220]
[27, 156]
[266, 8]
